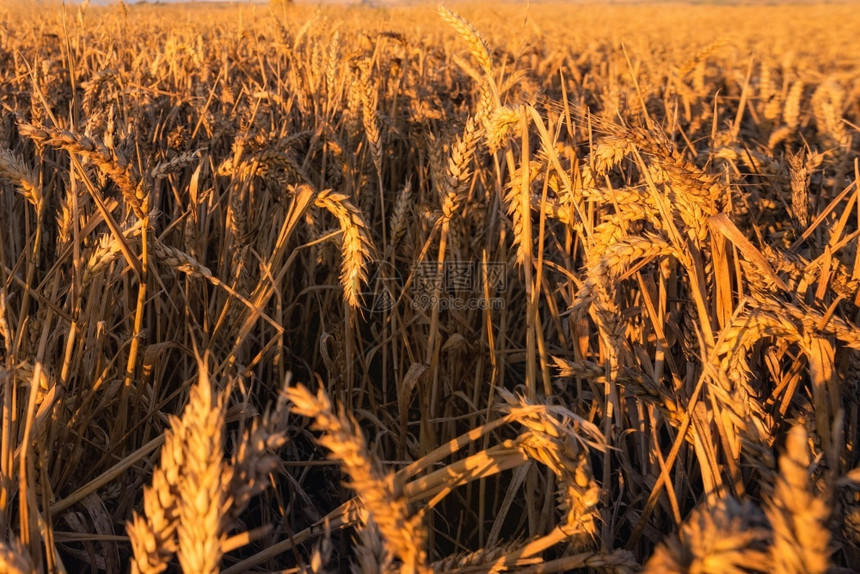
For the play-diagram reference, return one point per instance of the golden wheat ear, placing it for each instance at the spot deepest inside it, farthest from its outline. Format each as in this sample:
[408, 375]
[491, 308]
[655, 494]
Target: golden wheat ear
[14, 558]
[797, 513]
[113, 163]
[379, 493]
[356, 244]
[185, 505]
[728, 537]
[13, 168]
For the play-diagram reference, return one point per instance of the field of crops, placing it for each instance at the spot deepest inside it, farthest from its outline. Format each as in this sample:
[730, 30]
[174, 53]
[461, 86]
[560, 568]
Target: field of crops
[485, 288]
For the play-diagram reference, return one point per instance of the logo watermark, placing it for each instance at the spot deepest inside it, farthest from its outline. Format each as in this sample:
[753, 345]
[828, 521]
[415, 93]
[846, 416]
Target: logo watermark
[384, 285]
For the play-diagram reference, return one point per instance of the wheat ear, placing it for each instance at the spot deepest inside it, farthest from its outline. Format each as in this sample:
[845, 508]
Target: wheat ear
[454, 181]
[255, 458]
[15, 170]
[559, 439]
[729, 537]
[14, 558]
[153, 534]
[203, 492]
[185, 506]
[477, 45]
[378, 492]
[356, 244]
[111, 162]
[797, 515]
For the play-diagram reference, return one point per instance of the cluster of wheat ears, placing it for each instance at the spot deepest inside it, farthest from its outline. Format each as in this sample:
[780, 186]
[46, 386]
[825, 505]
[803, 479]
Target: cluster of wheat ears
[232, 240]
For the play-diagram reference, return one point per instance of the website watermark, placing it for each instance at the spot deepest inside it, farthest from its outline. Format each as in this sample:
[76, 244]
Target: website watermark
[458, 285]
[448, 303]
[450, 286]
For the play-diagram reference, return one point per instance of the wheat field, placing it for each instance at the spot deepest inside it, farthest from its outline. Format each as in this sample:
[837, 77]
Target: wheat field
[471, 288]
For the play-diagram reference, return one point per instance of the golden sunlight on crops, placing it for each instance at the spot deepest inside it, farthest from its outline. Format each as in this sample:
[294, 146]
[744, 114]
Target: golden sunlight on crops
[477, 288]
